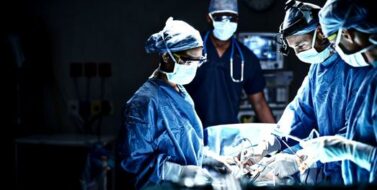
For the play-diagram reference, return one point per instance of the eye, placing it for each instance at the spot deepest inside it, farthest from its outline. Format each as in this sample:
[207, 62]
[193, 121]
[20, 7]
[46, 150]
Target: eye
[300, 46]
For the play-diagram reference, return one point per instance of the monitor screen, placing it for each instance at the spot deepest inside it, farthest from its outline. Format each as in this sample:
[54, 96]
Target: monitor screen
[265, 47]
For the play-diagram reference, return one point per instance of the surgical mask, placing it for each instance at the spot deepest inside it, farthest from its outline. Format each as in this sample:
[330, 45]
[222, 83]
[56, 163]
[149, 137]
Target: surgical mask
[355, 59]
[182, 73]
[223, 30]
[312, 55]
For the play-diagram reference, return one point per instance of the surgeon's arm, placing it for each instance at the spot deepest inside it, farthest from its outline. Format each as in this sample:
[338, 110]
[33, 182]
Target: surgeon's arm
[298, 118]
[261, 107]
[337, 148]
[373, 169]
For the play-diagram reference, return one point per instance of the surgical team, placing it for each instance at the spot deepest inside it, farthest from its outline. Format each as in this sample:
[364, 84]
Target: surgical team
[199, 80]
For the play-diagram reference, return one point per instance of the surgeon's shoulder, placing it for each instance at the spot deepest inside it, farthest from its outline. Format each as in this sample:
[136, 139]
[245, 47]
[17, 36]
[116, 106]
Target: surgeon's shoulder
[355, 72]
[313, 70]
[143, 99]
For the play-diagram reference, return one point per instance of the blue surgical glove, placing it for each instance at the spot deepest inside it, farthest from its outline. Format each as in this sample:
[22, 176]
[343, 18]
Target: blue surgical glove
[335, 148]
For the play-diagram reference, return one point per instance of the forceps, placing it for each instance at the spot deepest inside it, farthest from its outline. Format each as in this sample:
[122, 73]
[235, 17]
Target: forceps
[280, 134]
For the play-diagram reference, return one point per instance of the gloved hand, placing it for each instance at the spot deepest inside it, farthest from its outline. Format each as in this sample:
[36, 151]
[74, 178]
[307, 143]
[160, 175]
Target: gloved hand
[335, 148]
[282, 164]
[175, 172]
[216, 162]
[194, 171]
[253, 155]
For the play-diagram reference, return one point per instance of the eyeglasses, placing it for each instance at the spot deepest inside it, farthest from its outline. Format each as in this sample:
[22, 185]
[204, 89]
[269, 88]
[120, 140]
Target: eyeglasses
[220, 17]
[189, 60]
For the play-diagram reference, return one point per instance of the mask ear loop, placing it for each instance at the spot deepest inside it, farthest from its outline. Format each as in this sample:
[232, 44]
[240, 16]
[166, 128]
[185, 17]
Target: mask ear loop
[337, 41]
[314, 39]
[170, 54]
[213, 21]
[210, 16]
[373, 39]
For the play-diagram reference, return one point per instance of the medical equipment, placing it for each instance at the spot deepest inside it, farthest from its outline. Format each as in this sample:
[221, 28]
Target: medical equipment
[265, 46]
[234, 43]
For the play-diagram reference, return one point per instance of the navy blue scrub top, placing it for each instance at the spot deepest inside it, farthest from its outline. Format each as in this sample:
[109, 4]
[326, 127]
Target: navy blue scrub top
[216, 96]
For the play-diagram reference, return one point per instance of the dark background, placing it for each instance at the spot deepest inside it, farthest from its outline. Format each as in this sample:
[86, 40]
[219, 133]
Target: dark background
[41, 38]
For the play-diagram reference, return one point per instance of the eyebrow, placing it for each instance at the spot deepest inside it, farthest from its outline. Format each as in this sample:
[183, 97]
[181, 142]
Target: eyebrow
[300, 43]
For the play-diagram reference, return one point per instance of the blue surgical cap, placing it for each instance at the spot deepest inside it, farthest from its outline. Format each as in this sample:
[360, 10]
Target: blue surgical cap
[216, 6]
[300, 18]
[177, 35]
[357, 14]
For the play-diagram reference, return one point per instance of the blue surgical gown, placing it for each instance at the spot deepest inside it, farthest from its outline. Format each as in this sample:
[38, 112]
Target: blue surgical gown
[160, 124]
[363, 128]
[322, 103]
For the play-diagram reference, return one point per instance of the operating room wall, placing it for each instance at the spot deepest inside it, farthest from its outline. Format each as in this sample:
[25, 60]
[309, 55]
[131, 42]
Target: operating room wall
[55, 33]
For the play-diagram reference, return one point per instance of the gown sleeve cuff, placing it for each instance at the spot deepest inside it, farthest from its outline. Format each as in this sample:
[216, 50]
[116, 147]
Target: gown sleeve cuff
[373, 167]
[373, 161]
[171, 171]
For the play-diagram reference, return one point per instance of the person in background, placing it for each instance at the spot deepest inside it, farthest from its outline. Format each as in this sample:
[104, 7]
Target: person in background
[323, 101]
[230, 67]
[352, 26]
[162, 136]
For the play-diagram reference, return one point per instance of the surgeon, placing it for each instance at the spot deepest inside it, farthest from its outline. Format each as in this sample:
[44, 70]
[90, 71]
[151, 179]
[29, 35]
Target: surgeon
[162, 137]
[322, 101]
[352, 25]
[231, 68]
